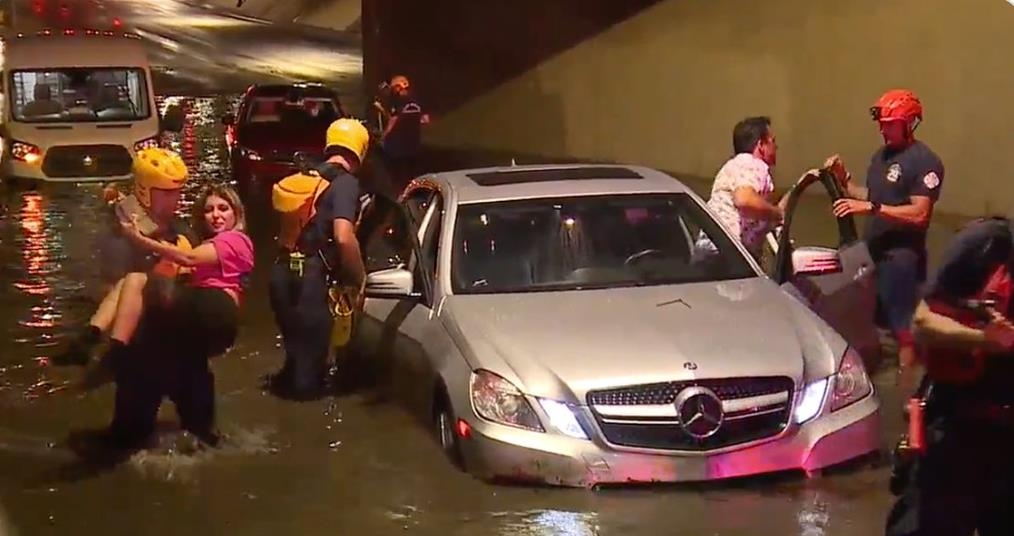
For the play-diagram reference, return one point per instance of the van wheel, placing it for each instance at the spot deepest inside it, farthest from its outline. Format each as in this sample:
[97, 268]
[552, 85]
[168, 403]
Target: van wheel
[443, 429]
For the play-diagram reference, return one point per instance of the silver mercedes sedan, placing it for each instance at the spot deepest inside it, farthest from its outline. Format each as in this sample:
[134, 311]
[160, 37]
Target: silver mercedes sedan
[586, 324]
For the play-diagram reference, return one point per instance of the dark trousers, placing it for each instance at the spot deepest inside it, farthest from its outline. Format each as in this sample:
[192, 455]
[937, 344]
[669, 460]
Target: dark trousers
[300, 305]
[964, 483]
[168, 358]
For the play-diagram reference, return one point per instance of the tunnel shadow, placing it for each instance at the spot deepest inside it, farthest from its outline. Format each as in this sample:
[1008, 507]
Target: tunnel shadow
[473, 47]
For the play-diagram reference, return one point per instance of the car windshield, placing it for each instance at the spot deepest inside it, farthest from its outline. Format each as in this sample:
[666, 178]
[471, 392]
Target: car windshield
[590, 242]
[79, 95]
[298, 113]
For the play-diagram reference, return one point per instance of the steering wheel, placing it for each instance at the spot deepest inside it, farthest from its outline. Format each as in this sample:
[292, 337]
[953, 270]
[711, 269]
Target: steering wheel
[640, 255]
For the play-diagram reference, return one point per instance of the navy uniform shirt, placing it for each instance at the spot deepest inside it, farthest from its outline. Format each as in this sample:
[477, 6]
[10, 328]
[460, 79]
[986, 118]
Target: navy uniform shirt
[894, 176]
[339, 200]
[405, 140]
[969, 260]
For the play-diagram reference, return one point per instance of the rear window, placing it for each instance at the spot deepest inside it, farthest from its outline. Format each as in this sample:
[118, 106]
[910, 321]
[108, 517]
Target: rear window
[282, 110]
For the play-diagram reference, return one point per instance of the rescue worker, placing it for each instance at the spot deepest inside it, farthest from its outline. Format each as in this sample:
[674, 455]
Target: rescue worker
[401, 140]
[963, 480]
[903, 182]
[158, 194]
[318, 250]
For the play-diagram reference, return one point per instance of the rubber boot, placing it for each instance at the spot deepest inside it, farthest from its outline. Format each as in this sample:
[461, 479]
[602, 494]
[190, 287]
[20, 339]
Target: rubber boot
[104, 371]
[78, 352]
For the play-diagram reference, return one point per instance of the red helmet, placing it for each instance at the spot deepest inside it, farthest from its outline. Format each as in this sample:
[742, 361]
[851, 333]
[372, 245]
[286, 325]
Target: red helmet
[897, 105]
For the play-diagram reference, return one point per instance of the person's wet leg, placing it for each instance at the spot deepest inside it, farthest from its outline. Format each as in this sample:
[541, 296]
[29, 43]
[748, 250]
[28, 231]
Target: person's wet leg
[139, 391]
[194, 397]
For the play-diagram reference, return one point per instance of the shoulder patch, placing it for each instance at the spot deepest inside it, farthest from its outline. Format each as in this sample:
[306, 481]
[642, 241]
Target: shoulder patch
[931, 180]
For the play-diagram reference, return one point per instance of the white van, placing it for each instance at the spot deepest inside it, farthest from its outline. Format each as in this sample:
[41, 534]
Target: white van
[77, 105]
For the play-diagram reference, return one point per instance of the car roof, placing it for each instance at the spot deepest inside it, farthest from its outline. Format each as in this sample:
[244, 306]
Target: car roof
[280, 90]
[557, 180]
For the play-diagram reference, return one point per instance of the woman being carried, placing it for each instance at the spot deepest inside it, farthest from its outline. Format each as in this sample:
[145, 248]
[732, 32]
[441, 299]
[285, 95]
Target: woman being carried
[208, 302]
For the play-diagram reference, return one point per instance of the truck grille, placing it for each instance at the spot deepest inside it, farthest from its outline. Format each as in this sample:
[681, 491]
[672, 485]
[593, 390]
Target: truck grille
[68, 161]
[645, 416]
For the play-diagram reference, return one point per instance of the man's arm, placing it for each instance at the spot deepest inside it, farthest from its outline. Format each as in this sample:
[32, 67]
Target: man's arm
[345, 202]
[352, 269]
[746, 199]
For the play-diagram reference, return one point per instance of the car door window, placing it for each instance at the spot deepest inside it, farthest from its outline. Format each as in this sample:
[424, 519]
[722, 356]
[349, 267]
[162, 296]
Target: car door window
[386, 237]
[810, 222]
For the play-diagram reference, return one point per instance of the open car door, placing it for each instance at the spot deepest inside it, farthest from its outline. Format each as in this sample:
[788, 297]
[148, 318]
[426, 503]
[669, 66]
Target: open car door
[836, 282]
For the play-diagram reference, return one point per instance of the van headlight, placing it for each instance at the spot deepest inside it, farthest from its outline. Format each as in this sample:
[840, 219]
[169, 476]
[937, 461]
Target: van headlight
[147, 143]
[498, 400]
[851, 383]
[25, 152]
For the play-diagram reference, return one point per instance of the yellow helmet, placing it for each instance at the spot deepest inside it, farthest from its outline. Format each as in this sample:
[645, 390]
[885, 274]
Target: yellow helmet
[348, 133]
[296, 191]
[157, 168]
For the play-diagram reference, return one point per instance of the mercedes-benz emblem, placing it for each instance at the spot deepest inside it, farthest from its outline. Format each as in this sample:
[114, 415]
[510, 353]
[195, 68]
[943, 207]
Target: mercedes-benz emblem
[699, 411]
[88, 161]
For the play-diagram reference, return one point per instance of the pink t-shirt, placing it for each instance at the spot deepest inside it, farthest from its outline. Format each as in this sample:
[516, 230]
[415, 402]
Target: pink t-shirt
[235, 260]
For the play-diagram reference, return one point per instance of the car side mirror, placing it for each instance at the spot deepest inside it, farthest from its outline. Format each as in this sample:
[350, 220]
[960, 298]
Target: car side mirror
[815, 261]
[390, 283]
[228, 120]
[172, 119]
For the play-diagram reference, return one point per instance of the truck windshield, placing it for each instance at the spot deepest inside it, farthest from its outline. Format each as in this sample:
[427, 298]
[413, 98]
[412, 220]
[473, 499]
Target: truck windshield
[79, 95]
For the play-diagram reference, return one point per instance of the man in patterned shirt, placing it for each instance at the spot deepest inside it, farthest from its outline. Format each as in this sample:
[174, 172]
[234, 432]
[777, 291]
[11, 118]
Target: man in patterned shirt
[739, 195]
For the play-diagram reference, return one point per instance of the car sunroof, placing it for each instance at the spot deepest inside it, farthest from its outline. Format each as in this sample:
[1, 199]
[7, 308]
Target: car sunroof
[522, 176]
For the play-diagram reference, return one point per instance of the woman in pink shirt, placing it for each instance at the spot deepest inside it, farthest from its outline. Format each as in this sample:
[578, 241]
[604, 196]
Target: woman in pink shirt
[206, 306]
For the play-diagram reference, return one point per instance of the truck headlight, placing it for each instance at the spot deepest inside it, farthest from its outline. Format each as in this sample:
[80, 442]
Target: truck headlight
[498, 400]
[147, 143]
[25, 152]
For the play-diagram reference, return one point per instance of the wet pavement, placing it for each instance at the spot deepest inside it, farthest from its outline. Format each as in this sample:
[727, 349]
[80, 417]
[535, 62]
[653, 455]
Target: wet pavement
[352, 464]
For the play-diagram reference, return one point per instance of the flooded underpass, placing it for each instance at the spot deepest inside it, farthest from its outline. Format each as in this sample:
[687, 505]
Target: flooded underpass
[349, 464]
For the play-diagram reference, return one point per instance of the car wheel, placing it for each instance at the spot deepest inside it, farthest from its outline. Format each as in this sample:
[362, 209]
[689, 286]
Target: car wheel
[443, 424]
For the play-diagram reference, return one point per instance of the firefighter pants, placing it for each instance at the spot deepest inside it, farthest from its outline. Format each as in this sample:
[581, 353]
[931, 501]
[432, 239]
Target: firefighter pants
[300, 305]
[168, 358]
[964, 483]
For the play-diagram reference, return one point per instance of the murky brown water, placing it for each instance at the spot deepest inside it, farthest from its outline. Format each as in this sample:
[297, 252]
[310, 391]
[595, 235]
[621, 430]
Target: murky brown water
[340, 466]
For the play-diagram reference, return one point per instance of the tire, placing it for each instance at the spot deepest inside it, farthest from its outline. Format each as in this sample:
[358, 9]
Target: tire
[443, 430]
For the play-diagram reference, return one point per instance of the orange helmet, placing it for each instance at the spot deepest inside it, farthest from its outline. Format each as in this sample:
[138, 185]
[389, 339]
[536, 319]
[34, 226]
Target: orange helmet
[898, 105]
[400, 82]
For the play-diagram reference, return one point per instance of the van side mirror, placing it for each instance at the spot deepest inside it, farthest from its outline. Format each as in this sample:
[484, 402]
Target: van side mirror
[172, 119]
[390, 283]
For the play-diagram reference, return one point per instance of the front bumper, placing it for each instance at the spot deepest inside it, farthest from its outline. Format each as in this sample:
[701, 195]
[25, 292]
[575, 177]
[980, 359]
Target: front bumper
[500, 452]
[18, 171]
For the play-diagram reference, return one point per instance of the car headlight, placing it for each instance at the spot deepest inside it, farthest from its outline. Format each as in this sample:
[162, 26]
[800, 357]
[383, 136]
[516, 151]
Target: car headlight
[147, 143]
[562, 417]
[498, 400]
[848, 386]
[811, 401]
[851, 383]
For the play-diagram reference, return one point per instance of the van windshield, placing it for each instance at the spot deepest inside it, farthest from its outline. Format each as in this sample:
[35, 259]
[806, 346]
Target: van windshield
[79, 95]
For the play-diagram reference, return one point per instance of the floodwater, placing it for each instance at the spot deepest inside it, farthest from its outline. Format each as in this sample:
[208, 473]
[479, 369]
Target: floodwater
[343, 465]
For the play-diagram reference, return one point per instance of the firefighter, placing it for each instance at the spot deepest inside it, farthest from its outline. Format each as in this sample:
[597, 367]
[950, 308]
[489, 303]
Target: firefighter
[903, 182]
[318, 251]
[156, 191]
[962, 476]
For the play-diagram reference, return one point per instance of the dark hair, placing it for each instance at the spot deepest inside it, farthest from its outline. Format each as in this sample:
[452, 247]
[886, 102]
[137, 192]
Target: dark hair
[749, 132]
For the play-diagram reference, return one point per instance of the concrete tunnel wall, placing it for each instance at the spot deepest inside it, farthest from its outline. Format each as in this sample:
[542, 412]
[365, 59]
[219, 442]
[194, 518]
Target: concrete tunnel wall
[661, 83]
